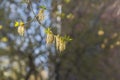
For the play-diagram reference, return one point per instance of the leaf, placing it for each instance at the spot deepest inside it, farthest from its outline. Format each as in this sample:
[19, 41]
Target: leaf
[21, 23]
[67, 38]
[43, 7]
[16, 24]
[48, 30]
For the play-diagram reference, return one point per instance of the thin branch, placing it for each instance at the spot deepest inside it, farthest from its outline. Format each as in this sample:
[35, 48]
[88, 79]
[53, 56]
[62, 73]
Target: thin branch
[30, 21]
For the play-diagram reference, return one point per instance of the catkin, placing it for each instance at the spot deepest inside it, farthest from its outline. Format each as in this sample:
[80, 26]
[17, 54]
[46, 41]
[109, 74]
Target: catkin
[62, 45]
[57, 41]
[21, 30]
[49, 38]
[41, 15]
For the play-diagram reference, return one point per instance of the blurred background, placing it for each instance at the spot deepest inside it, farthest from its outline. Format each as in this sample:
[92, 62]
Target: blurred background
[93, 54]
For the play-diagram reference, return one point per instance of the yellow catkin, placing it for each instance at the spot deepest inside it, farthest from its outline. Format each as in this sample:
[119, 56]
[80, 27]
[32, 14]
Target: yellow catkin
[57, 41]
[41, 15]
[21, 30]
[62, 45]
[49, 38]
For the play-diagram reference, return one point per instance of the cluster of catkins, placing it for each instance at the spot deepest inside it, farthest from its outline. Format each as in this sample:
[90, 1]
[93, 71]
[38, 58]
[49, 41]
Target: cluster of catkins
[60, 41]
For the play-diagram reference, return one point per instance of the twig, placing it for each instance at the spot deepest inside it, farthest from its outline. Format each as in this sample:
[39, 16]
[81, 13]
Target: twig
[29, 21]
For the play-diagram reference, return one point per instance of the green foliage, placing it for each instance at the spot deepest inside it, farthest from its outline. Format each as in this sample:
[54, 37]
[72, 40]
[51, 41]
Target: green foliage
[43, 7]
[67, 38]
[48, 30]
